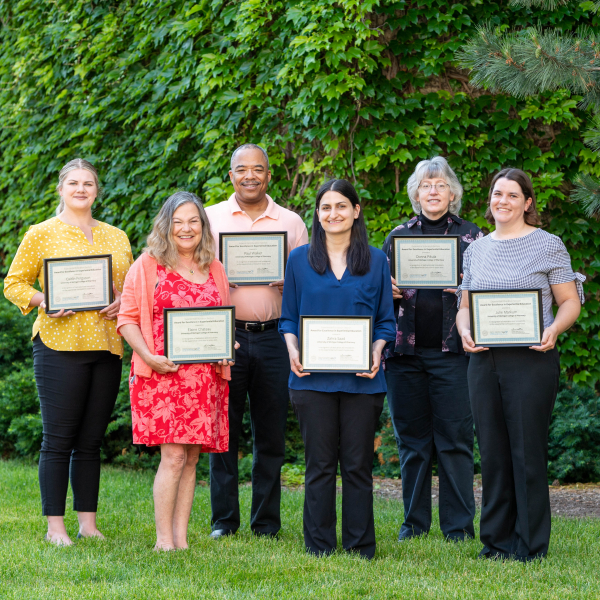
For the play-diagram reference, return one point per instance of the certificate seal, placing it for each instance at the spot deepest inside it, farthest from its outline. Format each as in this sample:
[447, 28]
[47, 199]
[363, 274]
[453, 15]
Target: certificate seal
[404, 275]
[177, 349]
[232, 271]
[485, 333]
[57, 298]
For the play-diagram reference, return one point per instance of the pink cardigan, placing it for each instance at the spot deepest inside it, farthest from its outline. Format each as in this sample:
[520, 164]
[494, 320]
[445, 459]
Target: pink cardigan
[137, 303]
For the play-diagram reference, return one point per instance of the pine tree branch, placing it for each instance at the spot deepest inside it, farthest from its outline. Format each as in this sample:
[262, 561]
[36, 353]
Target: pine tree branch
[591, 137]
[531, 61]
[549, 4]
[587, 193]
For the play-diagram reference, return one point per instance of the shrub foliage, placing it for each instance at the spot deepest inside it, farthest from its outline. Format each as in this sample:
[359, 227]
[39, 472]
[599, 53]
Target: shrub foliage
[158, 93]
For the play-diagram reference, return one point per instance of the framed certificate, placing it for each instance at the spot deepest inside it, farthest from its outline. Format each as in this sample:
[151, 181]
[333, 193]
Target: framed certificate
[78, 283]
[199, 334]
[336, 344]
[426, 261]
[254, 258]
[506, 317]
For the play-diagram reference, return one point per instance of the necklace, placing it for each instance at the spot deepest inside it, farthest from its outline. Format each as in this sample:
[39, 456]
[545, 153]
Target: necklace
[190, 270]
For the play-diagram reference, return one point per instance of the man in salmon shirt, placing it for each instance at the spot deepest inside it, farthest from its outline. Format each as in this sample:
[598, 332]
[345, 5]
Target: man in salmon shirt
[262, 365]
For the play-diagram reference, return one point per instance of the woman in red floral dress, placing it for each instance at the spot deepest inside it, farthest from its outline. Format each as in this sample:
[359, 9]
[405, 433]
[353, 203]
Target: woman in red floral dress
[182, 408]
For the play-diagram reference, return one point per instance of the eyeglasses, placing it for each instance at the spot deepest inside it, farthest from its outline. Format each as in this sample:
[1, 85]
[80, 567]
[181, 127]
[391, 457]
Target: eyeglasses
[440, 187]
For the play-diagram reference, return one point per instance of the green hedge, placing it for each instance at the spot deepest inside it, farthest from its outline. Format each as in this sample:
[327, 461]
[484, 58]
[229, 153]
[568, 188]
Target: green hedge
[158, 93]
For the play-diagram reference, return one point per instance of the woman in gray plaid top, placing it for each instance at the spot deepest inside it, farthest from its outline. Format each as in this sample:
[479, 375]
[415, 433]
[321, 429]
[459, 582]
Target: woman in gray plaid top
[512, 390]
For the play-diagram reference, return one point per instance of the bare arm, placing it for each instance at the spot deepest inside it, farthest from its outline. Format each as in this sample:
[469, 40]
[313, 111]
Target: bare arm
[378, 347]
[38, 300]
[463, 325]
[292, 345]
[161, 364]
[569, 307]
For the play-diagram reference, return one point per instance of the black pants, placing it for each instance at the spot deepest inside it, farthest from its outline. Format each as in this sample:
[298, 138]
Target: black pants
[77, 392]
[338, 426]
[429, 404]
[261, 372]
[512, 393]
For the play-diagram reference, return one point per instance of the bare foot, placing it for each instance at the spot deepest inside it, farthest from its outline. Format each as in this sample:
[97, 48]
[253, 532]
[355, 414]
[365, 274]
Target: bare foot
[86, 533]
[59, 538]
[182, 546]
[163, 547]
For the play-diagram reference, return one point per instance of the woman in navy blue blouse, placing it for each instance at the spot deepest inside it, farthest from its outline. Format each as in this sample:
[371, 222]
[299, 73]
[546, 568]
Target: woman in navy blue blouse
[338, 273]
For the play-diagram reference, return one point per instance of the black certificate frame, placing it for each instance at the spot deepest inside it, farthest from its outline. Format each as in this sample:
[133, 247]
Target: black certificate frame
[51, 311]
[231, 333]
[411, 239]
[333, 318]
[283, 234]
[540, 318]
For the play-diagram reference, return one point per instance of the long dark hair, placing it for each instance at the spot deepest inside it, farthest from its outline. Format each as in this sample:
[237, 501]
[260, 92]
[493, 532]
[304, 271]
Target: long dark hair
[531, 215]
[358, 255]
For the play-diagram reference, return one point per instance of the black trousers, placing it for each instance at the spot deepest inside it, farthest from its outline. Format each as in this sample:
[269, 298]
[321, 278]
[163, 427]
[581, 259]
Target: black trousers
[512, 393]
[429, 404]
[77, 392]
[337, 426]
[261, 373]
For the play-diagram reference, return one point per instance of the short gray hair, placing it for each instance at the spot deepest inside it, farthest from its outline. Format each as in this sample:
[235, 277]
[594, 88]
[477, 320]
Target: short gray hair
[160, 245]
[429, 169]
[249, 147]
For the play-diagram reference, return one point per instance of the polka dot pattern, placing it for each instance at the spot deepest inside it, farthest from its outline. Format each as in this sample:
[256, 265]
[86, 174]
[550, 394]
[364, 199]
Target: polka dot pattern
[86, 330]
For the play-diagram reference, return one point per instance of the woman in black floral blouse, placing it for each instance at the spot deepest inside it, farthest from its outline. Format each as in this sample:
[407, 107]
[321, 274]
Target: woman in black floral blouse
[426, 372]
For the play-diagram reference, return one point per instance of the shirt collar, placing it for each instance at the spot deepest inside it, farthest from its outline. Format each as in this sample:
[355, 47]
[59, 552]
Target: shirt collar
[272, 209]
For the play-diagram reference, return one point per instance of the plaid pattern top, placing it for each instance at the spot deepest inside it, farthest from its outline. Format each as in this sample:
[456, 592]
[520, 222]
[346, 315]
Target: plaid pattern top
[536, 260]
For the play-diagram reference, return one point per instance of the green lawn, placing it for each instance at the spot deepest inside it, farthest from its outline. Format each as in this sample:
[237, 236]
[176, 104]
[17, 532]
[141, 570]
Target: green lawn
[243, 567]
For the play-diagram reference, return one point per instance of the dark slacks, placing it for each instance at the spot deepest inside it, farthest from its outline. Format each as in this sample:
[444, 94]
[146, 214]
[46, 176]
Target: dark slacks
[261, 372]
[512, 393]
[77, 392]
[338, 426]
[428, 398]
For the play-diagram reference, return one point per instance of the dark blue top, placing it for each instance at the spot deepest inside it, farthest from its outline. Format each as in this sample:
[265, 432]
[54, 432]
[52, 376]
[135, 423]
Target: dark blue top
[307, 293]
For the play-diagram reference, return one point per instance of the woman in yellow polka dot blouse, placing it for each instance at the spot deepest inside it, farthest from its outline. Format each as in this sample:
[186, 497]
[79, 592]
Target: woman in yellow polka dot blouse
[76, 355]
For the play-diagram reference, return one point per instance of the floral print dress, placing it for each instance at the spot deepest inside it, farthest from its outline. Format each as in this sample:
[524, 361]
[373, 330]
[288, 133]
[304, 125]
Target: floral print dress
[190, 406]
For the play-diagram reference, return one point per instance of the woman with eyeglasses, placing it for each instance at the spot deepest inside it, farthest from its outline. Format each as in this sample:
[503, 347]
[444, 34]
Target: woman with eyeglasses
[426, 371]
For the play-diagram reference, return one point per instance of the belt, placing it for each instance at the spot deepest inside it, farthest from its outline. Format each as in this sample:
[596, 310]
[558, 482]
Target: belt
[254, 326]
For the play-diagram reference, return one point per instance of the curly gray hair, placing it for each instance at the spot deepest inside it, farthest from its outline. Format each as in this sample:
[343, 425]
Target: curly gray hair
[160, 244]
[437, 167]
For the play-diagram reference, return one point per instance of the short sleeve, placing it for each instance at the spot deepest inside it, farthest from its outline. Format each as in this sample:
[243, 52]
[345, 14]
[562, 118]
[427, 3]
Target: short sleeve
[559, 266]
[24, 270]
[466, 280]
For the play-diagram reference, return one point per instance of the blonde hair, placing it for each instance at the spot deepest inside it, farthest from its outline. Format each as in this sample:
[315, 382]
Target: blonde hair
[76, 163]
[429, 169]
[160, 244]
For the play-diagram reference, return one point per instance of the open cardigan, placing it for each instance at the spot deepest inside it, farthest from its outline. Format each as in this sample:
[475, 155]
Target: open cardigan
[137, 304]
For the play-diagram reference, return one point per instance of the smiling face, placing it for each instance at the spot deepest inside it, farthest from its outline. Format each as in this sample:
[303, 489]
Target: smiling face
[435, 197]
[508, 203]
[187, 228]
[336, 213]
[250, 175]
[79, 190]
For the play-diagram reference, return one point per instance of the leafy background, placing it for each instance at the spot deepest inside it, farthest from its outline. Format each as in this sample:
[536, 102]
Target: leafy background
[158, 93]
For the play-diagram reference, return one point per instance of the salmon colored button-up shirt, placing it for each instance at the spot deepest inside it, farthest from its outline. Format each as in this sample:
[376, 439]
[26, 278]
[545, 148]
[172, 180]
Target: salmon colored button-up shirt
[256, 302]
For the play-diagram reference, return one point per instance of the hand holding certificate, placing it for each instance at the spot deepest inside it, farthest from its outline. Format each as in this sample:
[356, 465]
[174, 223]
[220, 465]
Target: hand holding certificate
[199, 334]
[336, 344]
[503, 318]
[78, 283]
